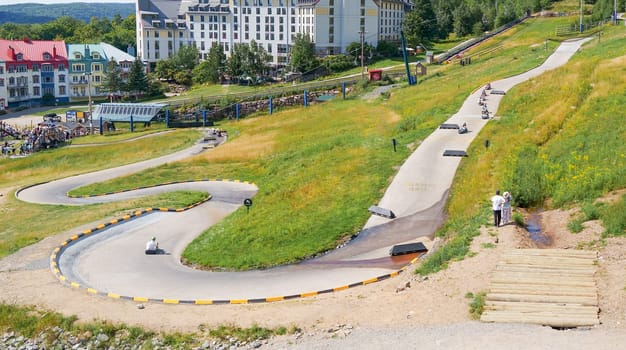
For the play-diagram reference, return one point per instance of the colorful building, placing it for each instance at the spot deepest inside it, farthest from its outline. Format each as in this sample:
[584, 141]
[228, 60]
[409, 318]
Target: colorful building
[32, 71]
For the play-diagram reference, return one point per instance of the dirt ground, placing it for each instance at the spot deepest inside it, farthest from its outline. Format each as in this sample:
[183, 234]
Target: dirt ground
[404, 301]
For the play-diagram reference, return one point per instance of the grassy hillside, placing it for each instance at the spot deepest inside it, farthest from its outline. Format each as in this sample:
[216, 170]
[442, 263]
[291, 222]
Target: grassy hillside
[320, 168]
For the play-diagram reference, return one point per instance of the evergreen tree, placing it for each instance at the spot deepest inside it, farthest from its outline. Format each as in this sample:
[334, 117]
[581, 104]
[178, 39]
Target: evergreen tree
[113, 79]
[420, 25]
[137, 79]
[236, 60]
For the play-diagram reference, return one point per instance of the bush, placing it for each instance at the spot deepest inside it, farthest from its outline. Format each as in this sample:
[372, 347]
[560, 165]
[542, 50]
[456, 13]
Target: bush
[518, 219]
[614, 218]
[477, 306]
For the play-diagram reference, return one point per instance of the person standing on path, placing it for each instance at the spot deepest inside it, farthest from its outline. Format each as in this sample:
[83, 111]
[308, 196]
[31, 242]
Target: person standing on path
[497, 202]
[506, 208]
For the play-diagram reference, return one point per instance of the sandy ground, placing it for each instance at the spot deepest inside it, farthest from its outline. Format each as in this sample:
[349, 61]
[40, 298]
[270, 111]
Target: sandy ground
[391, 312]
[24, 121]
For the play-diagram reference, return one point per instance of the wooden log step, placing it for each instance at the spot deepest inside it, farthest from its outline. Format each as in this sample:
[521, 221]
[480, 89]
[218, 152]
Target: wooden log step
[583, 292]
[494, 304]
[553, 261]
[565, 299]
[540, 287]
[554, 321]
[543, 274]
[532, 306]
[551, 313]
[543, 281]
[553, 252]
[590, 270]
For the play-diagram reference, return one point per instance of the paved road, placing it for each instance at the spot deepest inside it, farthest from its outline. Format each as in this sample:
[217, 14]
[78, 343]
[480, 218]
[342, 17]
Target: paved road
[113, 261]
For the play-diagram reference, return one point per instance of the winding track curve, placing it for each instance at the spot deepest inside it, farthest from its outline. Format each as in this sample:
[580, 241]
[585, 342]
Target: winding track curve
[112, 262]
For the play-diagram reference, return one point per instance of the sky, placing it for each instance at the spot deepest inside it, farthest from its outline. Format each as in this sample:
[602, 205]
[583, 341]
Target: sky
[13, 2]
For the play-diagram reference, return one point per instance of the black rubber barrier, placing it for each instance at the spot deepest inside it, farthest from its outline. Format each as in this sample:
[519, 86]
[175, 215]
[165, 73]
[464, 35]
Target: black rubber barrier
[454, 153]
[381, 212]
[409, 248]
[449, 126]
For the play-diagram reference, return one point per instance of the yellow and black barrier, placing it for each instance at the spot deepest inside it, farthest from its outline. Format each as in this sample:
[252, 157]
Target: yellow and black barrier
[54, 260]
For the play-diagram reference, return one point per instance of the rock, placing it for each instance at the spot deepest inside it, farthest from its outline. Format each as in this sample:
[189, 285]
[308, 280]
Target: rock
[141, 306]
[206, 345]
[102, 338]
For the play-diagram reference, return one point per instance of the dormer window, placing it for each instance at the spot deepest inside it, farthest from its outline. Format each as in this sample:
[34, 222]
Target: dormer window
[95, 56]
[46, 56]
[77, 56]
[19, 57]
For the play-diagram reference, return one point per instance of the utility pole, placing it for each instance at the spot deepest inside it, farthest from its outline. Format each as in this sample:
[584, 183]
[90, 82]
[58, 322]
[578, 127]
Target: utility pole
[581, 16]
[362, 33]
[87, 75]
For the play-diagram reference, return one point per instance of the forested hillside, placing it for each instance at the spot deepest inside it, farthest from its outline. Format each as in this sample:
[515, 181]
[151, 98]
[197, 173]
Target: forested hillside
[41, 13]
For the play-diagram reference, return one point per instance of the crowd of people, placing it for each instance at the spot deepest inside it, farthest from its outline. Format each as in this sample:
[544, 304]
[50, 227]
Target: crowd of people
[29, 140]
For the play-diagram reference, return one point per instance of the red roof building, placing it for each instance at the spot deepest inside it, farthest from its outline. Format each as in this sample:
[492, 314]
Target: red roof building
[32, 69]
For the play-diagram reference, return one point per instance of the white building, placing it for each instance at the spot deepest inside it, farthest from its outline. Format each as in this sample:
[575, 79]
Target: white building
[163, 26]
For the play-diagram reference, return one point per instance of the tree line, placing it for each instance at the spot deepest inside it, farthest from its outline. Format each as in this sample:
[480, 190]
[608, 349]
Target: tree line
[117, 31]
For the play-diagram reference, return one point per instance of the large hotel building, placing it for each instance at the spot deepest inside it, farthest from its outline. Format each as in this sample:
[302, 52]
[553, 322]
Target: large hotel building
[163, 26]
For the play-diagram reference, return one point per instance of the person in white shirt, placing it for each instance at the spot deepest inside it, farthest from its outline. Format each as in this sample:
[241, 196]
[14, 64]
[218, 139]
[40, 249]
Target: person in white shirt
[497, 202]
[152, 246]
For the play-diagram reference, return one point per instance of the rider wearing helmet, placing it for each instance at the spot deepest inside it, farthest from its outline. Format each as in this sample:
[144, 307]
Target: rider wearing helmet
[152, 246]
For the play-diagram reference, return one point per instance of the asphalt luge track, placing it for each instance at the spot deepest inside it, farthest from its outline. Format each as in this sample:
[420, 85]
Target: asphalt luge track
[109, 260]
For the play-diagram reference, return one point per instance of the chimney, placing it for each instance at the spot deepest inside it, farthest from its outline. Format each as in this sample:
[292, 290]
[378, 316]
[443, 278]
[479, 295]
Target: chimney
[11, 52]
[54, 52]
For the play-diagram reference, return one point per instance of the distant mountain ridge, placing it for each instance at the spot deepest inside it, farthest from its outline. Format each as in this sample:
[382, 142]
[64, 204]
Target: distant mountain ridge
[42, 13]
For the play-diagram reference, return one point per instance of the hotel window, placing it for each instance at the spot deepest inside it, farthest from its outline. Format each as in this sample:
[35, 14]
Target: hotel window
[61, 78]
[36, 91]
[62, 90]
